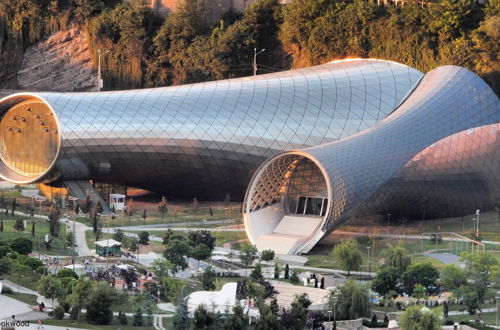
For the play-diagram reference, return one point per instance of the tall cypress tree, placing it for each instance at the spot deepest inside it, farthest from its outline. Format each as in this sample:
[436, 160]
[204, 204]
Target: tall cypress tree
[33, 229]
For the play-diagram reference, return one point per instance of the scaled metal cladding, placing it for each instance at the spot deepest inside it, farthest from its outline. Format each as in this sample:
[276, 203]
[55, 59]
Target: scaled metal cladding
[201, 140]
[437, 154]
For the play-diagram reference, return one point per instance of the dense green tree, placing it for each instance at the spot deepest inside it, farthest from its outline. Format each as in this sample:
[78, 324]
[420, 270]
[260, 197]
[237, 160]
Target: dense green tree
[203, 318]
[78, 296]
[143, 238]
[138, 318]
[248, 254]
[397, 257]
[171, 289]
[267, 255]
[202, 237]
[208, 279]
[181, 319]
[22, 245]
[452, 277]
[294, 279]
[347, 255]
[352, 302]
[118, 235]
[99, 304]
[268, 319]
[277, 270]
[51, 287]
[66, 272]
[419, 292]
[19, 225]
[54, 215]
[420, 273]
[200, 252]
[4, 250]
[161, 268]
[5, 265]
[385, 280]
[175, 252]
[256, 273]
[470, 296]
[418, 317]
[237, 320]
[296, 317]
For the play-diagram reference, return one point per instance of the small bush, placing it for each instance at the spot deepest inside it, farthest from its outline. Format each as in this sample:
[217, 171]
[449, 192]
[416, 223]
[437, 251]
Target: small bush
[59, 313]
[294, 278]
[7, 289]
[41, 270]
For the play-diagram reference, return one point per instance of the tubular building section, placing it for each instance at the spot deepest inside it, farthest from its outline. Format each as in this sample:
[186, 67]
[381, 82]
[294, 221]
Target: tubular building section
[202, 140]
[440, 142]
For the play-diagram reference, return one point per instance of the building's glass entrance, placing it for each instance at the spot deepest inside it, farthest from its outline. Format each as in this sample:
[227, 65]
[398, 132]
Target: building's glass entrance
[311, 205]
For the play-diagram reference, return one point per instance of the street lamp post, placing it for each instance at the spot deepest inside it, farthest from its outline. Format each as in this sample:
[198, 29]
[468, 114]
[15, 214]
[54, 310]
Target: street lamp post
[255, 53]
[477, 224]
[497, 297]
[99, 80]
[369, 264]
[335, 296]
[388, 222]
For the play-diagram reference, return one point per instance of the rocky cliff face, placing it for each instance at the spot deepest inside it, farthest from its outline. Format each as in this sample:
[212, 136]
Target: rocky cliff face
[61, 62]
[10, 59]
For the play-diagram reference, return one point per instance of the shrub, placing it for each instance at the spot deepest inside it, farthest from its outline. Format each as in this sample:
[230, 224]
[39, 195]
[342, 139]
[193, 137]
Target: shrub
[66, 272]
[32, 263]
[41, 270]
[294, 279]
[59, 313]
[22, 245]
[7, 289]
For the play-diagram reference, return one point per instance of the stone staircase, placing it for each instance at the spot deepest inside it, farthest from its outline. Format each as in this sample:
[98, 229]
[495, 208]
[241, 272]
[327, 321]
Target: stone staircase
[80, 189]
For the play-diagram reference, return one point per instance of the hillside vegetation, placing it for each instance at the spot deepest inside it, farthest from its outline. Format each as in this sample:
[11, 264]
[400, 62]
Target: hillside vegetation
[146, 50]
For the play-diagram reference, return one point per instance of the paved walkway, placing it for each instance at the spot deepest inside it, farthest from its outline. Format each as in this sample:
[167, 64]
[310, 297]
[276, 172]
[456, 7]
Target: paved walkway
[11, 306]
[81, 247]
[22, 289]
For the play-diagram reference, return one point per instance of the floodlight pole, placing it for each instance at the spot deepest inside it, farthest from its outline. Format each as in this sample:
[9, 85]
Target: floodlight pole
[255, 53]
[99, 80]
[388, 222]
[477, 224]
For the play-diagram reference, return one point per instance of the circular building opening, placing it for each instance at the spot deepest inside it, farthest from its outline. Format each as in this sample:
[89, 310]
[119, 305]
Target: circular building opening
[29, 138]
[286, 203]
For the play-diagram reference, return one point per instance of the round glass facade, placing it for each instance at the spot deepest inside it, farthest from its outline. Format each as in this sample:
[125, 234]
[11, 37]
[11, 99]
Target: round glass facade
[29, 138]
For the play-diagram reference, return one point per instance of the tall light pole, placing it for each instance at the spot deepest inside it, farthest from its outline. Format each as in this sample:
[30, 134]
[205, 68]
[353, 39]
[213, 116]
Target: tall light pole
[477, 224]
[497, 297]
[99, 80]
[388, 222]
[255, 53]
[335, 296]
[369, 264]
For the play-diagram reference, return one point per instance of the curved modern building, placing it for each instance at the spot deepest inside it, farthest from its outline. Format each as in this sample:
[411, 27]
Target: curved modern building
[438, 153]
[311, 147]
[201, 140]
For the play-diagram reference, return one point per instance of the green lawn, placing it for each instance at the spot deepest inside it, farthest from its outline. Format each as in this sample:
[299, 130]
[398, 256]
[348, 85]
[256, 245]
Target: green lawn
[41, 229]
[488, 318]
[26, 298]
[228, 236]
[85, 325]
[489, 225]
[185, 214]
[27, 279]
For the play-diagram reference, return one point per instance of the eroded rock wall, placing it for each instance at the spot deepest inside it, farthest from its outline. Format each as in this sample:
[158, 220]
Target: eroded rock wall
[60, 62]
